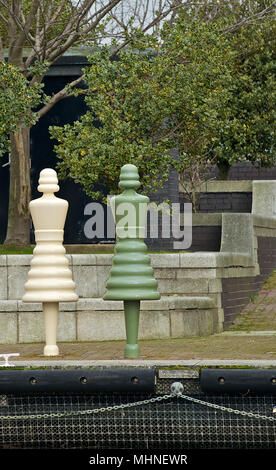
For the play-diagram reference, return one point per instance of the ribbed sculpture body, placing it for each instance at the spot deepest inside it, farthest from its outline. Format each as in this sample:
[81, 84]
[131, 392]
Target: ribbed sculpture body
[49, 279]
[131, 276]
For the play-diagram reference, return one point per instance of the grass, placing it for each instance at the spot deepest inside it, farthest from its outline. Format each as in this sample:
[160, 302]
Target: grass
[99, 249]
[15, 250]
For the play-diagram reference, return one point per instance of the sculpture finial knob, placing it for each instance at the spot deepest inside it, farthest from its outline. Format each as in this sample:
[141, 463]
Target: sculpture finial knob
[129, 177]
[48, 181]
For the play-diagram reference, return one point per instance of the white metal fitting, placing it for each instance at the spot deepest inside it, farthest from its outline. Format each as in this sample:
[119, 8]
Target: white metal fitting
[177, 388]
[6, 357]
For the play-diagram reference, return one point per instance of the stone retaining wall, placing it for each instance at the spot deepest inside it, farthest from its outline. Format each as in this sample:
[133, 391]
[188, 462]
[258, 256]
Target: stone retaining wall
[201, 292]
[180, 312]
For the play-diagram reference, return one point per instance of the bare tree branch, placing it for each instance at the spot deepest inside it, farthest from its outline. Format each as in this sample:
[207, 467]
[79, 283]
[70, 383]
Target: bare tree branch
[251, 19]
[6, 21]
[59, 96]
[85, 16]
[54, 54]
[144, 30]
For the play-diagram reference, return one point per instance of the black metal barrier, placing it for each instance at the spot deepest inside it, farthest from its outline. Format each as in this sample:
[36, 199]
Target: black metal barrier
[80, 380]
[71, 416]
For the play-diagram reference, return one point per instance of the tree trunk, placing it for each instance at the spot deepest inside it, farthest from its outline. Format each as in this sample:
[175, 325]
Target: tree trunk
[18, 231]
[223, 169]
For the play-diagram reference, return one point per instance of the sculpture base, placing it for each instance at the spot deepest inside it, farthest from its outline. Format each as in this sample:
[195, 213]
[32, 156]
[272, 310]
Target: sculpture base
[51, 350]
[132, 351]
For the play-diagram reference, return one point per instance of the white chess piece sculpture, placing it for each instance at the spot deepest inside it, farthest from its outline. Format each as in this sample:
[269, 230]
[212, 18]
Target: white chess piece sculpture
[49, 279]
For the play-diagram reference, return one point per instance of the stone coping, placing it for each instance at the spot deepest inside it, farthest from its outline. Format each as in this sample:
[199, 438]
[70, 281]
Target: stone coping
[74, 259]
[212, 219]
[215, 259]
[136, 363]
[98, 304]
[263, 221]
[227, 186]
[197, 259]
[205, 219]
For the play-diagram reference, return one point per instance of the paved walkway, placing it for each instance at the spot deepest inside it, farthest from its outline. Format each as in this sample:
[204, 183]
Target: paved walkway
[251, 337]
[218, 347]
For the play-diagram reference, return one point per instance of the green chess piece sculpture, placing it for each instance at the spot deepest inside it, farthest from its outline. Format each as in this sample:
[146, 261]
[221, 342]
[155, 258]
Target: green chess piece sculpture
[131, 276]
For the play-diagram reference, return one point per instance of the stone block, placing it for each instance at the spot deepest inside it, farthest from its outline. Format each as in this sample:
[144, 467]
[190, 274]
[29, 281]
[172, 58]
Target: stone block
[216, 297]
[198, 273]
[162, 304]
[3, 260]
[67, 306]
[214, 285]
[17, 276]
[104, 259]
[19, 260]
[83, 260]
[231, 186]
[29, 306]
[182, 286]
[3, 282]
[165, 273]
[67, 330]
[100, 326]
[220, 315]
[99, 304]
[205, 323]
[191, 302]
[31, 327]
[264, 198]
[203, 259]
[8, 306]
[102, 273]
[85, 278]
[184, 323]
[240, 272]
[237, 233]
[165, 260]
[154, 325]
[265, 232]
[264, 221]
[8, 328]
[230, 259]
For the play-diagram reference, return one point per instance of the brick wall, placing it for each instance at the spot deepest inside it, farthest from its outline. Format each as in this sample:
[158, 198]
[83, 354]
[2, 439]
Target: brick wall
[222, 202]
[247, 171]
[206, 238]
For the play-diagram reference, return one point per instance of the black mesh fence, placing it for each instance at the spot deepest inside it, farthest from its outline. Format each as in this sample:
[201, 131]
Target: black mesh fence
[56, 421]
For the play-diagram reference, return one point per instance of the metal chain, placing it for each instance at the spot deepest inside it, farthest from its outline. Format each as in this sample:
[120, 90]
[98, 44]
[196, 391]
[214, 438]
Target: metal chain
[224, 408]
[88, 412]
[138, 403]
